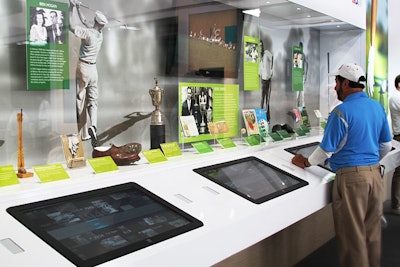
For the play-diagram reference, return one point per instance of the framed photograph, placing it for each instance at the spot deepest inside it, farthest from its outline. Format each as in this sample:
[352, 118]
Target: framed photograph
[189, 127]
[208, 103]
[219, 127]
[250, 121]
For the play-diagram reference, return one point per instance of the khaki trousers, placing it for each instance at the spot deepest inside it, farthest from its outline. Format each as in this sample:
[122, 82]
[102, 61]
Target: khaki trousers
[357, 209]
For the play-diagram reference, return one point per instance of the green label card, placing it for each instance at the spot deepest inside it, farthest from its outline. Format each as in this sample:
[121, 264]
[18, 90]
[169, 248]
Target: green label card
[275, 136]
[154, 155]
[171, 149]
[299, 132]
[51, 172]
[305, 128]
[259, 137]
[103, 164]
[253, 140]
[284, 134]
[202, 147]
[8, 176]
[226, 142]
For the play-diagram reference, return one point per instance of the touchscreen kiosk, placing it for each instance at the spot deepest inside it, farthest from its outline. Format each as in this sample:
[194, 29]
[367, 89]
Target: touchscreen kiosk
[306, 150]
[97, 226]
[252, 178]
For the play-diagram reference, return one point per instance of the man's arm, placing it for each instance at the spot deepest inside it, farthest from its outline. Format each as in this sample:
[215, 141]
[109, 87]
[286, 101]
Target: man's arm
[318, 156]
[77, 4]
[384, 148]
[71, 15]
[81, 16]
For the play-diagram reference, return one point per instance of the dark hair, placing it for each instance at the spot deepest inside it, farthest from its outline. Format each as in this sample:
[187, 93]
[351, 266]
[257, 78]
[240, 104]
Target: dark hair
[397, 81]
[39, 12]
[351, 83]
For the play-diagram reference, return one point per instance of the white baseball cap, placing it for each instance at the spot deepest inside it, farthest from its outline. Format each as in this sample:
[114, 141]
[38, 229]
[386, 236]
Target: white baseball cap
[101, 18]
[350, 71]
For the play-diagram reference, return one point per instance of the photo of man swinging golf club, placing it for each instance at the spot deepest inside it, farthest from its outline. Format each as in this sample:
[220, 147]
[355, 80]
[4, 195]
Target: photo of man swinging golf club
[87, 90]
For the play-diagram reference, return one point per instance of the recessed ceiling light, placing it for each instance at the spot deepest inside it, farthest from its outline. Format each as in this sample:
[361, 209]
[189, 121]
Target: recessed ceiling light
[254, 12]
[298, 8]
[308, 16]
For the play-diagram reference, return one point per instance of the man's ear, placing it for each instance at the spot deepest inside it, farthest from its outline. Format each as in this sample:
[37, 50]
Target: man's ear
[345, 82]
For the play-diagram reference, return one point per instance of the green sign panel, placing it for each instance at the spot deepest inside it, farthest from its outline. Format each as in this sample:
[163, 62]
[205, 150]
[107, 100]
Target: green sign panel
[47, 50]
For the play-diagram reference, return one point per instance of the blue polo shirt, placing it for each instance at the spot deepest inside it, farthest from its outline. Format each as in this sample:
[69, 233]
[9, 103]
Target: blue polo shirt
[354, 131]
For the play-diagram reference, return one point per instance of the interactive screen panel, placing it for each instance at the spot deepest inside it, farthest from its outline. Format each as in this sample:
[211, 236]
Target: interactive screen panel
[97, 226]
[306, 150]
[252, 178]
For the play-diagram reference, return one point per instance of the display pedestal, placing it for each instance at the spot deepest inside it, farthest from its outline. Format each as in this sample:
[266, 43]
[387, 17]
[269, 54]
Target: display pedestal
[157, 135]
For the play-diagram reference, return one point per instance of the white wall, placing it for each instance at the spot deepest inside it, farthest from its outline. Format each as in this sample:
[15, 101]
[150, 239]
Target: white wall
[343, 47]
[394, 41]
[393, 58]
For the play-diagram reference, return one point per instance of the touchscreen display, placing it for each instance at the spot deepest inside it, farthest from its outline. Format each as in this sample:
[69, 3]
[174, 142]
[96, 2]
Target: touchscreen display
[252, 178]
[96, 226]
[306, 150]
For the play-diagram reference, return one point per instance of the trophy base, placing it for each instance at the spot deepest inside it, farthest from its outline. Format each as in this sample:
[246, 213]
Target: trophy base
[25, 175]
[157, 135]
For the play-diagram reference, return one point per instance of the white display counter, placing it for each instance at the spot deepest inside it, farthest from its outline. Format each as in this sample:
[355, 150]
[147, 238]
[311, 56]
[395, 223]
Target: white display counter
[231, 223]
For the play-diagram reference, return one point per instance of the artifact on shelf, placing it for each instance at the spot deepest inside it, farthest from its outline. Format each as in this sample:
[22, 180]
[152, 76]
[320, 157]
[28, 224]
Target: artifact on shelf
[157, 125]
[122, 155]
[22, 172]
[73, 150]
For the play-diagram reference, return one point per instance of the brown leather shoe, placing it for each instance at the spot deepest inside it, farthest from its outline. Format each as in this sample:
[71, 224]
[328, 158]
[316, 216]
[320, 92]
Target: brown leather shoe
[122, 155]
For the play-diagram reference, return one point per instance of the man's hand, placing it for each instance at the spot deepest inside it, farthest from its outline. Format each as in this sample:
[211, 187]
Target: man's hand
[300, 161]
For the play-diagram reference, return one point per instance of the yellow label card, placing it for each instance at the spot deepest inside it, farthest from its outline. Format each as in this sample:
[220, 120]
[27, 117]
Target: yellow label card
[8, 176]
[103, 164]
[154, 155]
[171, 149]
[51, 172]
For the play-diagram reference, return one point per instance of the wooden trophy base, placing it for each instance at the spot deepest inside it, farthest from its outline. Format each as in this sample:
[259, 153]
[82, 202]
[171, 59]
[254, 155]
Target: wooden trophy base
[76, 162]
[25, 175]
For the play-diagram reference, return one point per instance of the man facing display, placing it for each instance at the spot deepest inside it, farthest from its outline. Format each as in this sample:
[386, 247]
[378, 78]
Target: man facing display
[356, 137]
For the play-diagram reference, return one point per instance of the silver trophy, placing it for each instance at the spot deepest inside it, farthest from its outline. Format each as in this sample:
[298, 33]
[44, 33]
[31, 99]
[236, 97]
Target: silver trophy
[157, 125]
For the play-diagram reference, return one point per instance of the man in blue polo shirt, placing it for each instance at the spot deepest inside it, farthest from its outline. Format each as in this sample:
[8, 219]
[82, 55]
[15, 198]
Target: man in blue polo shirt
[356, 137]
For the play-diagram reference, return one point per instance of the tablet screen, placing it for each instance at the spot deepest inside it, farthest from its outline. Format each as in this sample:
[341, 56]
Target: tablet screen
[97, 226]
[252, 178]
[306, 150]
